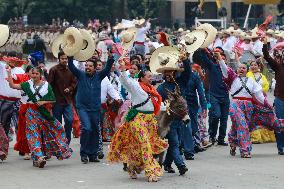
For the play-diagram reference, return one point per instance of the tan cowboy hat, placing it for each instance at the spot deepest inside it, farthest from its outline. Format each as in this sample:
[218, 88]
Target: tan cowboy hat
[193, 40]
[57, 44]
[74, 41]
[229, 31]
[139, 22]
[254, 35]
[270, 31]
[119, 26]
[127, 37]
[88, 46]
[211, 33]
[164, 58]
[246, 37]
[4, 34]
[280, 34]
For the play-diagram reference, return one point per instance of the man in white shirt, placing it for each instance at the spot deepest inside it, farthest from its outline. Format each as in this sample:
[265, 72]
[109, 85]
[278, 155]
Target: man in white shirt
[139, 44]
[8, 97]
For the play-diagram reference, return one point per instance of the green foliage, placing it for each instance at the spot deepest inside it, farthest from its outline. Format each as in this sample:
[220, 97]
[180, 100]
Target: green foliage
[42, 11]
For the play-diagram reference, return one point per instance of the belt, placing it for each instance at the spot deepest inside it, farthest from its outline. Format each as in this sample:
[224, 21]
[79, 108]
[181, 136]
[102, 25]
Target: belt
[243, 98]
[9, 98]
[139, 43]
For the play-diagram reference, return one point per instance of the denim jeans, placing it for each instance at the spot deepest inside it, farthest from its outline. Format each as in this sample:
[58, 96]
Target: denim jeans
[279, 110]
[139, 49]
[90, 129]
[173, 153]
[187, 140]
[219, 111]
[67, 113]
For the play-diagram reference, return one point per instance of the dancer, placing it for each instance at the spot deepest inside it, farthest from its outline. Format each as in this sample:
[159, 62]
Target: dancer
[137, 140]
[260, 135]
[88, 103]
[45, 135]
[248, 108]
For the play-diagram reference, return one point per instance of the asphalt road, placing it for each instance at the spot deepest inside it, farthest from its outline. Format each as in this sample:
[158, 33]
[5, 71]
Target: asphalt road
[214, 168]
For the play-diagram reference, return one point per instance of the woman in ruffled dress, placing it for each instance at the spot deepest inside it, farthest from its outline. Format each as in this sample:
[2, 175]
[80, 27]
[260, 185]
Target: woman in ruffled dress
[248, 108]
[137, 139]
[46, 136]
[260, 135]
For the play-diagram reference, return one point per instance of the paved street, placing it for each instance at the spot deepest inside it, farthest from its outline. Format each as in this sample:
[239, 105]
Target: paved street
[214, 168]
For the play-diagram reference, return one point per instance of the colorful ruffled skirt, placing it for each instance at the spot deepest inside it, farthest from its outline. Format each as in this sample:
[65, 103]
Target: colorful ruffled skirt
[45, 138]
[135, 142]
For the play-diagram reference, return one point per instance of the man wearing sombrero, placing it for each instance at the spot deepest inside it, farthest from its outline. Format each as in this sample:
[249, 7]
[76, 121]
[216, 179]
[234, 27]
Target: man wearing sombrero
[8, 98]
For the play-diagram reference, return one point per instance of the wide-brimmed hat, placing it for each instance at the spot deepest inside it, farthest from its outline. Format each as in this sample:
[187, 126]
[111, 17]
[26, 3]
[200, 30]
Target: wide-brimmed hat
[14, 61]
[4, 34]
[280, 34]
[139, 22]
[119, 26]
[164, 58]
[88, 48]
[57, 44]
[74, 41]
[127, 37]
[211, 33]
[270, 31]
[193, 40]
[246, 37]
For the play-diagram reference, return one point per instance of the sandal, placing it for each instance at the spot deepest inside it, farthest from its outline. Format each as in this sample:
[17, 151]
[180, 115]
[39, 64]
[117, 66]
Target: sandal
[3, 157]
[40, 163]
[132, 173]
[27, 156]
[245, 156]
[233, 150]
[152, 179]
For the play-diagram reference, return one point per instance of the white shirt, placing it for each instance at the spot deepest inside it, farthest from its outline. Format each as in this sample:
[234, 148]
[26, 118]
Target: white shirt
[103, 48]
[252, 85]
[247, 47]
[257, 48]
[141, 33]
[228, 44]
[138, 95]
[108, 89]
[43, 91]
[79, 65]
[5, 89]
[216, 43]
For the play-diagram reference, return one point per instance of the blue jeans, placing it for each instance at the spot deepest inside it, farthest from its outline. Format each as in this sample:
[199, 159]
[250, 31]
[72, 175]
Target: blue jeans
[219, 111]
[279, 110]
[173, 153]
[187, 140]
[139, 49]
[90, 129]
[67, 113]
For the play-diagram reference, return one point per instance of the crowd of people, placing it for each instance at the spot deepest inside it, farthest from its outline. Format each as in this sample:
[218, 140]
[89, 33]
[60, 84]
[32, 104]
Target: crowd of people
[138, 91]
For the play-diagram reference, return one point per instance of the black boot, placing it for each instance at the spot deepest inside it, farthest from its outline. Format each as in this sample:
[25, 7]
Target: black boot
[101, 155]
[169, 169]
[189, 157]
[84, 160]
[182, 169]
[222, 143]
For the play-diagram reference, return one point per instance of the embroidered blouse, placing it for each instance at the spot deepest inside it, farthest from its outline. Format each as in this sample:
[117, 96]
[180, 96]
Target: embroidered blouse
[260, 79]
[138, 95]
[235, 84]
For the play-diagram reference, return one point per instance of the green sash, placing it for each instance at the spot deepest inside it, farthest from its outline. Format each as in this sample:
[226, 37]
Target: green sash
[133, 112]
[48, 97]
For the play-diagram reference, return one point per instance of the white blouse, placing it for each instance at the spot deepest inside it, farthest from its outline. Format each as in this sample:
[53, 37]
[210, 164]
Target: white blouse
[252, 85]
[5, 89]
[43, 91]
[108, 89]
[138, 95]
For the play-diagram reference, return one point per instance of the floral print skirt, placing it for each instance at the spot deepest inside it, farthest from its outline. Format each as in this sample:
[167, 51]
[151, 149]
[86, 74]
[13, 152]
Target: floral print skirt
[135, 142]
[45, 138]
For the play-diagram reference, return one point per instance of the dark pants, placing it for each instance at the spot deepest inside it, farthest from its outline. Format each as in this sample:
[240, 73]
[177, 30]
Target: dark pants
[187, 140]
[90, 129]
[219, 111]
[193, 114]
[67, 113]
[173, 153]
[6, 112]
[279, 110]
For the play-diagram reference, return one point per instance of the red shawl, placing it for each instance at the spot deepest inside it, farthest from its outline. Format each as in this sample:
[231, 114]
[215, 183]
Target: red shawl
[155, 96]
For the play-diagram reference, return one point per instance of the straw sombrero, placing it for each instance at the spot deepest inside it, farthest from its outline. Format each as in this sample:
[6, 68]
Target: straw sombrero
[270, 31]
[4, 34]
[57, 44]
[119, 26]
[74, 41]
[139, 22]
[193, 40]
[127, 37]
[88, 47]
[164, 58]
[211, 33]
